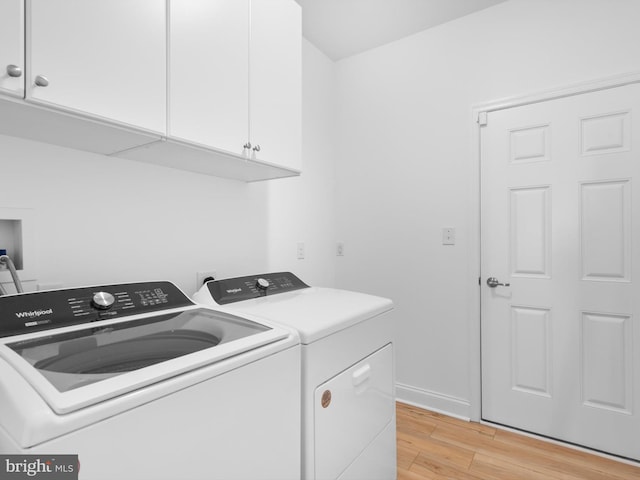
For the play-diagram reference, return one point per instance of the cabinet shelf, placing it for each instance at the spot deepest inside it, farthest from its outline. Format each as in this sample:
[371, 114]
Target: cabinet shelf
[170, 152]
[19, 118]
[49, 125]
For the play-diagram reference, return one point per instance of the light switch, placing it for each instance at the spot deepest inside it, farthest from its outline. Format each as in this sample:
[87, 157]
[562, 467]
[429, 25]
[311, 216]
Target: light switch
[448, 236]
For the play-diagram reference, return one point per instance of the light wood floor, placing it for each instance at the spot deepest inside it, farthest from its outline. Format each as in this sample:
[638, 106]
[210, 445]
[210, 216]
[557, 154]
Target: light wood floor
[434, 446]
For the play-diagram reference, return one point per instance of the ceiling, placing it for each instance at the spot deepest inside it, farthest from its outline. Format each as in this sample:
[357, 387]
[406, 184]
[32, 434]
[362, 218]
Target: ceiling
[341, 28]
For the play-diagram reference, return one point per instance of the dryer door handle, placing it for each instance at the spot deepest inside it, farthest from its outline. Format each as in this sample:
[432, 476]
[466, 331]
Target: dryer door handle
[361, 375]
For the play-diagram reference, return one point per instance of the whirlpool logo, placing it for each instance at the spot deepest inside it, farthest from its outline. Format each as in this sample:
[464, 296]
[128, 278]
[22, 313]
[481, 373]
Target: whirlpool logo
[34, 313]
[59, 467]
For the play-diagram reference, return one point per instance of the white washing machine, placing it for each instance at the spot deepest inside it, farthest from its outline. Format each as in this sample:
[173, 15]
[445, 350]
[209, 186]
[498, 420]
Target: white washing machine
[348, 401]
[141, 383]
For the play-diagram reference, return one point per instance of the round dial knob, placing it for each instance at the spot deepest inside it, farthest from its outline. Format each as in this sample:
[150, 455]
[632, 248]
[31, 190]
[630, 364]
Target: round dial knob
[262, 284]
[103, 300]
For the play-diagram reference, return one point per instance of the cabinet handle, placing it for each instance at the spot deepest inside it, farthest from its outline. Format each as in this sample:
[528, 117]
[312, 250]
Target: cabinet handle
[41, 81]
[14, 71]
[256, 148]
[247, 145]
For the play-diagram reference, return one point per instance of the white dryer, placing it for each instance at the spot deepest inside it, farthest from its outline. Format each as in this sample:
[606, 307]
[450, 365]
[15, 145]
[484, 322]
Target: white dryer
[348, 423]
[141, 383]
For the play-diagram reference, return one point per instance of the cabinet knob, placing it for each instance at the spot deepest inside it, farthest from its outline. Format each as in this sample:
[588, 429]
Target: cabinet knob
[14, 71]
[247, 145]
[41, 81]
[256, 148]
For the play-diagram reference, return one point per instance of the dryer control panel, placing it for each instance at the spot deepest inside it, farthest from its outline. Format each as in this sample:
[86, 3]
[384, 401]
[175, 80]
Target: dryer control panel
[237, 289]
[30, 312]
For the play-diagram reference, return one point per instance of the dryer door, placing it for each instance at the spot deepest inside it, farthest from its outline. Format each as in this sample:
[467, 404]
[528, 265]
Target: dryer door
[350, 411]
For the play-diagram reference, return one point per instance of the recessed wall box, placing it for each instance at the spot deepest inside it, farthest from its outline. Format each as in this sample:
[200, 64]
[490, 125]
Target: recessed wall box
[17, 237]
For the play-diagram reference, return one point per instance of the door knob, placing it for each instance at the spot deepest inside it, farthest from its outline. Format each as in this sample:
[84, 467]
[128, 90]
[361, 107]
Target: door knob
[14, 71]
[493, 282]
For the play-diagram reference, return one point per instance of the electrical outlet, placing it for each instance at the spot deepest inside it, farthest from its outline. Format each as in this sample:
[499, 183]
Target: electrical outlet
[203, 277]
[300, 251]
[340, 249]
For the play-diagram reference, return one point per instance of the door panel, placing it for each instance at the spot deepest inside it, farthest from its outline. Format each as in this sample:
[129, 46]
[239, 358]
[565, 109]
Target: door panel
[275, 94]
[209, 72]
[11, 46]
[103, 58]
[561, 343]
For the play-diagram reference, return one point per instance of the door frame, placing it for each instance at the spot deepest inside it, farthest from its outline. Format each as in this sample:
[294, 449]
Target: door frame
[474, 283]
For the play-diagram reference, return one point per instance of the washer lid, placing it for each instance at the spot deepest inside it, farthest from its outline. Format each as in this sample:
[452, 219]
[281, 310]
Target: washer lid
[314, 312]
[78, 368]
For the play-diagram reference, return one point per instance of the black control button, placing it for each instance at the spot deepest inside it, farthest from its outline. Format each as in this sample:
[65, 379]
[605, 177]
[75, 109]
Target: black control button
[262, 284]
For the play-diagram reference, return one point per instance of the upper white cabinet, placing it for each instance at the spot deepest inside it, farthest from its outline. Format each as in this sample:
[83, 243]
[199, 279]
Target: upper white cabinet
[12, 47]
[235, 77]
[210, 86]
[275, 81]
[104, 58]
[209, 72]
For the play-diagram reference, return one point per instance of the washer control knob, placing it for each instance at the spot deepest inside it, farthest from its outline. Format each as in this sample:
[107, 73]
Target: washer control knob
[103, 300]
[262, 283]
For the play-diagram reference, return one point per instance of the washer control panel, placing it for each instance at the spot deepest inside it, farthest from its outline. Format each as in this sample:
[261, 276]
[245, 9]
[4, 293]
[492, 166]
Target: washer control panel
[237, 289]
[29, 312]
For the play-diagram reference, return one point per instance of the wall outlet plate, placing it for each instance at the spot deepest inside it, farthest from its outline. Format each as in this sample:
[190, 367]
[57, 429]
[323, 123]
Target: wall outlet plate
[448, 236]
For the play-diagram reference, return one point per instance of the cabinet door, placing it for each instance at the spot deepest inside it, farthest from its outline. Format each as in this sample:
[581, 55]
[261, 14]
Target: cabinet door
[276, 81]
[12, 47]
[106, 58]
[209, 63]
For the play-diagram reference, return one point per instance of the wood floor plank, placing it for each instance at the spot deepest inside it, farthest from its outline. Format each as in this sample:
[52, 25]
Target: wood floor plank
[431, 467]
[601, 465]
[435, 447]
[532, 458]
[406, 455]
[445, 454]
[462, 436]
[491, 468]
[404, 474]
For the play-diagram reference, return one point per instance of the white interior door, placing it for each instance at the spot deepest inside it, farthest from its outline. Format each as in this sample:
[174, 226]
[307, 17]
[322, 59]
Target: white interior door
[560, 225]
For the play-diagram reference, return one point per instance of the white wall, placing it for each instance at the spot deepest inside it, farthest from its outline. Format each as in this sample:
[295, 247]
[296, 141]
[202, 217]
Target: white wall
[99, 219]
[302, 209]
[404, 147]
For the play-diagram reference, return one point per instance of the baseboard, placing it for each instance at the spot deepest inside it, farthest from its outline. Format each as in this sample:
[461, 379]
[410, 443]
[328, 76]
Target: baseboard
[437, 402]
